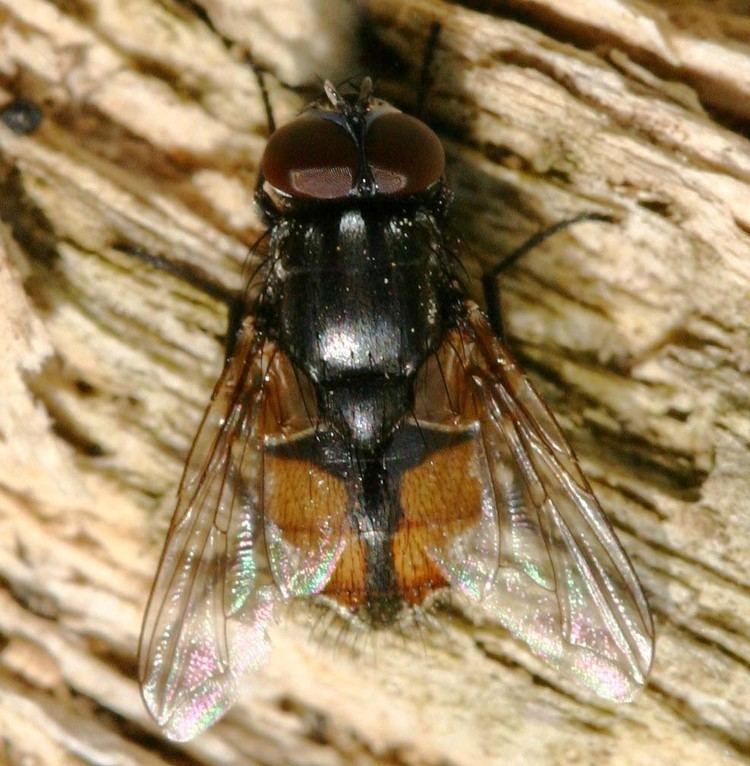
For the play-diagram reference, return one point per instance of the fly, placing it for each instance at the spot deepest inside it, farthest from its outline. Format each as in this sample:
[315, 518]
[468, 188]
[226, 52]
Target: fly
[372, 444]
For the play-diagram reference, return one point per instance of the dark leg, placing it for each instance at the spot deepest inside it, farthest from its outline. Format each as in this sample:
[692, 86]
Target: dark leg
[192, 275]
[235, 303]
[236, 313]
[239, 51]
[492, 300]
[271, 122]
[261, 199]
[489, 280]
[425, 76]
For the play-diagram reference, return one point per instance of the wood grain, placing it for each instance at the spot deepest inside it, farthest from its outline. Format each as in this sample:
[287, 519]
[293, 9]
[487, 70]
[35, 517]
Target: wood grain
[637, 332]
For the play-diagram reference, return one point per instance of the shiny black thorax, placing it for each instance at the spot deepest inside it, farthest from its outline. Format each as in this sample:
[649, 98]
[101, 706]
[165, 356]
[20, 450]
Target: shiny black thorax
[358, 296]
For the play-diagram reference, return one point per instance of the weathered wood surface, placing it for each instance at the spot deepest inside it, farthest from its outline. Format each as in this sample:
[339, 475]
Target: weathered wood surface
[638, 333]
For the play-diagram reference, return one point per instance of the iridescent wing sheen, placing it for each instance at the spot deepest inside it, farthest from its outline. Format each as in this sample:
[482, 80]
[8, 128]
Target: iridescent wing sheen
[536, 553]
[215, 591]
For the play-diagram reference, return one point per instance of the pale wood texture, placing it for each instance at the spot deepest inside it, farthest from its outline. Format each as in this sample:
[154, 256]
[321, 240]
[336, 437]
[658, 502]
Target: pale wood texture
[638, 334]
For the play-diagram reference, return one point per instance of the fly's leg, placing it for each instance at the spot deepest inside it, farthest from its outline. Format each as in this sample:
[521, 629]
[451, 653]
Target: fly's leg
[489, 280]
[236, 303]
[425, 75]
[262, 200]
[260, 78]
[235, 315]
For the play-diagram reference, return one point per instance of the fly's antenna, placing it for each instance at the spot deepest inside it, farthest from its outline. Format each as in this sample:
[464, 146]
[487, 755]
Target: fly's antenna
[337, 100]
[365, 90]
[332, 94]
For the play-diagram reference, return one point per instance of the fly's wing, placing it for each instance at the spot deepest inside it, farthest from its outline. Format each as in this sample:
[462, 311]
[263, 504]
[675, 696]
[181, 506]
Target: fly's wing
[530, 543]
[212, 600]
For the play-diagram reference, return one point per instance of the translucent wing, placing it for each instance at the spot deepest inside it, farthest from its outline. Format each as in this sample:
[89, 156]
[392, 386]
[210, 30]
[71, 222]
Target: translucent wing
[532, 547]
[215, 592]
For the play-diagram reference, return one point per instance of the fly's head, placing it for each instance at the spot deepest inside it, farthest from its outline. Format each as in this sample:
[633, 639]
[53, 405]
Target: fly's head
[350, 147]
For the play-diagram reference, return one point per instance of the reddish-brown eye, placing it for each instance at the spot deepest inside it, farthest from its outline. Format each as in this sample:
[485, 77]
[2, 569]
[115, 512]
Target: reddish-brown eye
[405, 156]
[312, 158]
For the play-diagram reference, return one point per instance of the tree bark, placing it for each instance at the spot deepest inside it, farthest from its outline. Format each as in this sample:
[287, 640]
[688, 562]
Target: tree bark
[637, 333]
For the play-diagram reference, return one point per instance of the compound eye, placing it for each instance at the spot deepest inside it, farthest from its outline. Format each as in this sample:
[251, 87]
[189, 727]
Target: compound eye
[404, 155]
[311, 158]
